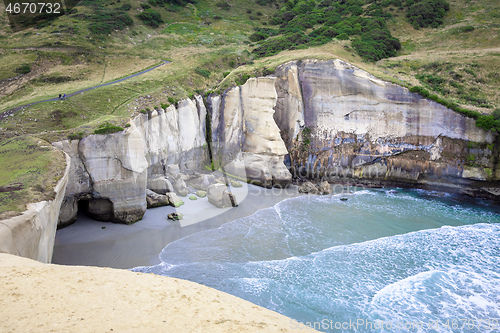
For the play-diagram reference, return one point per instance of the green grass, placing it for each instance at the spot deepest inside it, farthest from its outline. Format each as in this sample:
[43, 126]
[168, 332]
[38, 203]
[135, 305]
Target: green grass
[210, 50]
[28, 172]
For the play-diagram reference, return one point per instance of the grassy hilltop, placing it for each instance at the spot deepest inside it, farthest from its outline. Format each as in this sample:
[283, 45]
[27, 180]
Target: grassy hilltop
[449, 49]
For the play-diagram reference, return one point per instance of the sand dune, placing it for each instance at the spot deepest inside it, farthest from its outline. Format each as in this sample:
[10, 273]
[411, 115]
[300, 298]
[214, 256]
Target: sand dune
[53, 298]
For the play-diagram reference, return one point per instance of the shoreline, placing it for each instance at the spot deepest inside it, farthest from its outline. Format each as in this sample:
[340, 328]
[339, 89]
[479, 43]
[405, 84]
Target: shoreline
[92, 243]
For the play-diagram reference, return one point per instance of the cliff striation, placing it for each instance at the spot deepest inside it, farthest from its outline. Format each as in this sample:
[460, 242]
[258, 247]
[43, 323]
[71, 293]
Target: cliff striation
[317, 120]
[340, 123]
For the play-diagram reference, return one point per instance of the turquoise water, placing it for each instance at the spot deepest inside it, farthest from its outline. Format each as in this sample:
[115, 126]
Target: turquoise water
[383, 261]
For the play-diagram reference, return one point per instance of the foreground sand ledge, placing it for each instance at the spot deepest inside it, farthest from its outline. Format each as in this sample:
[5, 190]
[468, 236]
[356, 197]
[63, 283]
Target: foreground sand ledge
[40, 297]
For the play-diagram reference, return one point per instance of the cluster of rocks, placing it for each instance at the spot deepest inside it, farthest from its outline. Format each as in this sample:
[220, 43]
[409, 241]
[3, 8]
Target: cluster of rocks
[167, 190]
[321, 188]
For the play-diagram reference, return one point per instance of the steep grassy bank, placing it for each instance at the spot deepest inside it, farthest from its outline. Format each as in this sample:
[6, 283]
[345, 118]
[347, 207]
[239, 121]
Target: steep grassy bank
[29, 170]
[212, 46]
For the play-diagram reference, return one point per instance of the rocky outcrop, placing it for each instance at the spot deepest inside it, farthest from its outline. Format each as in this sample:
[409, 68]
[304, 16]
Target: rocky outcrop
[340, 123]
[315, 120]
[246, 131]
[219, 196]
[112, 172]
[33, 233]
[154, 199]
[308, 187]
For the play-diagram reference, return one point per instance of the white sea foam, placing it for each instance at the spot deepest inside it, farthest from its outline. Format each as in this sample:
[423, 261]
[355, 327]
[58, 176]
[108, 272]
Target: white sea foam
[378, 256]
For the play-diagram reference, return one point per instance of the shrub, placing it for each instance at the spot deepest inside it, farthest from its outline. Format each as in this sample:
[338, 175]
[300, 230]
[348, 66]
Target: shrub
[488, 122]
[108, 128]
[145, 6]
[241, 80]
[203, 72]
[376, 44]
[171, 100]
[343, 36]
[150, 17]
[126, 7]
[425, 13]
[223, 5]
[23, 69]
[105, 22]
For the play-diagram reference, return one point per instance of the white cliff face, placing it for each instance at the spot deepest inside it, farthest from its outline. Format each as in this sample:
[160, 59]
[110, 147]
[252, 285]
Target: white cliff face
[111, 171]
[32, 234]
[247, 131]
[349, 119]
[322, 116]
[341, 98]
[117, 165]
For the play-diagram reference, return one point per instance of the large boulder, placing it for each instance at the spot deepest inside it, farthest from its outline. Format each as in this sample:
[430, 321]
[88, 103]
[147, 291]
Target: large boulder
[181, 187]
[308, 187]
[325, 187]
[202, 182]
[156, 200]
[173, 170]
[219, 196]
[174, 200]
[160, 185]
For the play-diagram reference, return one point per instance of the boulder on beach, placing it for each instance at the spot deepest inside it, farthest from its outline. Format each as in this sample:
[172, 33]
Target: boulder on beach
[174, 200]
[325, 188]
[201, 182]
[160, 185]
[181, 187]
[175, 216]
[308, 187]
[154, 199]
[219, 196]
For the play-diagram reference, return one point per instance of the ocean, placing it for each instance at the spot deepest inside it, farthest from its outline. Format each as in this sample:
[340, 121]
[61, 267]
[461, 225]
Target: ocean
[384, 260]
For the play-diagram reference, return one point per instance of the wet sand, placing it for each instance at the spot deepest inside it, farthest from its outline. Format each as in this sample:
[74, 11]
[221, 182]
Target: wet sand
[91, 243]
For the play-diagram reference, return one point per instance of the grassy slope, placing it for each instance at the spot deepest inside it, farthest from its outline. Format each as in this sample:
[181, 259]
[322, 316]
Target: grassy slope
[466, 63]
[29, 170]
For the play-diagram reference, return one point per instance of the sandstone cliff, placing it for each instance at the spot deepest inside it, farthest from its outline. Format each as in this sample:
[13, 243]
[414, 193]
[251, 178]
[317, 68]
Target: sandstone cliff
[339, 123]
[321, 120]
[243, 129]
[32, 234]
[110, 172]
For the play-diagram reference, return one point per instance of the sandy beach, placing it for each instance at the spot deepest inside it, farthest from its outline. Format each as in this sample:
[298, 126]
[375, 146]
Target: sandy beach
[58, 298]
[40, 297]
[92, 243]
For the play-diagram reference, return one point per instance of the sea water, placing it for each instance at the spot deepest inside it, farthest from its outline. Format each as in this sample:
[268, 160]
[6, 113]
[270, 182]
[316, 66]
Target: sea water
[381, 261]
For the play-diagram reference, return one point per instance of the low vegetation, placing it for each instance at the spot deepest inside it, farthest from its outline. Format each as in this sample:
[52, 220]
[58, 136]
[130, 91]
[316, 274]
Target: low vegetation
[29, 170]
[447, 50]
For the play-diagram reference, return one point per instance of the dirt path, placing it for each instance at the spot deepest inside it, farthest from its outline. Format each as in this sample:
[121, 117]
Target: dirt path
[12, 111]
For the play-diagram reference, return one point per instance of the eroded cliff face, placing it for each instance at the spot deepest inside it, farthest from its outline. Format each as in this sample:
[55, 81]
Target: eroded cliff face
[325, 120]
[32, 234]
[244, 130]
[340, 123]
[110, 172]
